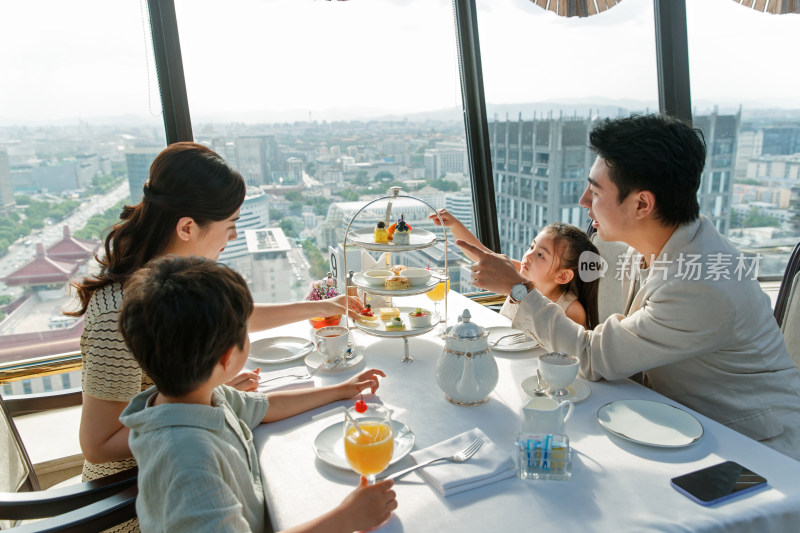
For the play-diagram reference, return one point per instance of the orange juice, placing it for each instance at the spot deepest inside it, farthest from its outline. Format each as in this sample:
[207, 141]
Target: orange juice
[437, 293]
[369, 453]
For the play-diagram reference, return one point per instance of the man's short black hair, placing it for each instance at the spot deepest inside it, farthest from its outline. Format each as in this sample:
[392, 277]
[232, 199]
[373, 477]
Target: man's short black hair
[180, 315]
[654, 153]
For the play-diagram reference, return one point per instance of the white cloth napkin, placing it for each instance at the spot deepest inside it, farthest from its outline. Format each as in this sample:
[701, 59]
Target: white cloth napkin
[489, 464]
[286, 383]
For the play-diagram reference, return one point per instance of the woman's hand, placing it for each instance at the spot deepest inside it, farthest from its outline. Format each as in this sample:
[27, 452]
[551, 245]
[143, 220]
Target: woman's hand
[336, 306]
[246, 381]
[357, 384]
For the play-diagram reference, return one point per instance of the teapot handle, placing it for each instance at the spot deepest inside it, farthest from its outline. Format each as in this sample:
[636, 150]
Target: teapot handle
[570, 407]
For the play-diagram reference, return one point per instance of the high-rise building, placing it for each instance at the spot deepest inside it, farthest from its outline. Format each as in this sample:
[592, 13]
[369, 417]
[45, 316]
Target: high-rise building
[540, 169]
[254, 214]
[137, 162]
[270, 276]
[6, 189]
[257, 158]
[460, 205]
[716, 186]
[444, 158]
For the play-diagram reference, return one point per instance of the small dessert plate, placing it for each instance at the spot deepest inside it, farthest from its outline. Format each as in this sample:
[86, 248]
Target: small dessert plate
[329, 444]
[276, 350]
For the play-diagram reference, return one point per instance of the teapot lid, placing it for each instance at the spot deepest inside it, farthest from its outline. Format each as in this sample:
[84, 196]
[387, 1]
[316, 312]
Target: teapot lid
[466, 330]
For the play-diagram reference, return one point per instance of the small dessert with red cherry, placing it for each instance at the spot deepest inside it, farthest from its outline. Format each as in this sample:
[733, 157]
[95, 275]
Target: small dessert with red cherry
[367, 317]
[419, 318]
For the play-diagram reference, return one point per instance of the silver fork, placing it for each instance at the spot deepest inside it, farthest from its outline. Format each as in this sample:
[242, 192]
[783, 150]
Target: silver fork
[307, 375]
[515, 338]
[458, 457]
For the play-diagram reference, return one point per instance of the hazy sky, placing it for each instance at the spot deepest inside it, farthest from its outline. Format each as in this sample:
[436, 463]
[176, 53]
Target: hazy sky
[250, 59]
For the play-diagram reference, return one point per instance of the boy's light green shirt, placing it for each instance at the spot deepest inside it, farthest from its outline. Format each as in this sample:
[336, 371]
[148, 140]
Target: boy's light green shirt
[198, 468]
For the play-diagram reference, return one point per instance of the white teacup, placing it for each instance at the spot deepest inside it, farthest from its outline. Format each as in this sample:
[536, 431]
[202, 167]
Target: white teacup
[332, 342]
[558, 371]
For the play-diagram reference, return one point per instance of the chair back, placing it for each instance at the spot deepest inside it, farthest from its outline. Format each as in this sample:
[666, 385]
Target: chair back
[787, 307]
[16, 470]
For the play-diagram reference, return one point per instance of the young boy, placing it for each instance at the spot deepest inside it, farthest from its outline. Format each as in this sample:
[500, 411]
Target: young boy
[185, 321]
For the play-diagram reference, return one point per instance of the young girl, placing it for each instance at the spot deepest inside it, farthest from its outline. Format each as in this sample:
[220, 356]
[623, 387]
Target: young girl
[551, 264]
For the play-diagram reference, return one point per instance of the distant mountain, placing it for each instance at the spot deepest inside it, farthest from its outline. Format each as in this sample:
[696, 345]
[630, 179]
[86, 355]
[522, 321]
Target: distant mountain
[581, 107]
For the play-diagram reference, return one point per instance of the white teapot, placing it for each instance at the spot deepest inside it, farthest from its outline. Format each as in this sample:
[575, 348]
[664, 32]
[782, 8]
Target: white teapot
[466, 370]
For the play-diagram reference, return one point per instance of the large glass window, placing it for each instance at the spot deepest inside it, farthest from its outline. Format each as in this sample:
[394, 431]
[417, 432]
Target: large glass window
[554, 76]
[79, 101]
[323, 106]
[745, 98]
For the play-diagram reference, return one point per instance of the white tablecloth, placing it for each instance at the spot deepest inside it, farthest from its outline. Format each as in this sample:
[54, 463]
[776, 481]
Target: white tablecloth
[616, 485]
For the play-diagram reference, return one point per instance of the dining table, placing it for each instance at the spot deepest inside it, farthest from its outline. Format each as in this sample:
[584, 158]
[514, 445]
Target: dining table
[615, 484]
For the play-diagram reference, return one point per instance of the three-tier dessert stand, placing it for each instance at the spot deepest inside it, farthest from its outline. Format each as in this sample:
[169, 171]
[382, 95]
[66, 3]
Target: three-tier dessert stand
[418, 239]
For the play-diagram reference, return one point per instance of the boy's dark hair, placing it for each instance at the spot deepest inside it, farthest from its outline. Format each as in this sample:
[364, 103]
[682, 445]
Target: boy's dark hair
[654, 153]
[180, 315]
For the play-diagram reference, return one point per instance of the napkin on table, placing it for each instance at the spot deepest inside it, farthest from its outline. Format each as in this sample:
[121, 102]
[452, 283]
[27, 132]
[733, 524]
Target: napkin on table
[489, 464]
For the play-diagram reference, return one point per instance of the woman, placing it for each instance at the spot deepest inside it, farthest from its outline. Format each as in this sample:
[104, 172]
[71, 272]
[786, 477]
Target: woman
[190, 206]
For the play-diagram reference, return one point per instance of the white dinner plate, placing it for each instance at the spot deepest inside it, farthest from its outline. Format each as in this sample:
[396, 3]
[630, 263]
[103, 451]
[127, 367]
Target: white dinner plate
[360, 281]
[495, 332]
[651, 423]
[417, 239]
[329, 444]
[378, 327]
[314, 359]
[577, 391]
[279, 349]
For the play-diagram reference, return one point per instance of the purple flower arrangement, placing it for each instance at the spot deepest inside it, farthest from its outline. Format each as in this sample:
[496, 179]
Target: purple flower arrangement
[322, 289]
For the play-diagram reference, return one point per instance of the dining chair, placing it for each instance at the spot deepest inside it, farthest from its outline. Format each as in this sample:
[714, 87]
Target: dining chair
[787, 306]
[89, 506]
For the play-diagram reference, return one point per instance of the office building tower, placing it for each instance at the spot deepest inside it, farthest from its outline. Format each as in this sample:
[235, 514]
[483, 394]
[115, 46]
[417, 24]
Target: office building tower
[258, 158]
[460, 205]
[137, 162]
[254, 214]
[716, 186]
[540, 169]
[270, 276]
[445, 158]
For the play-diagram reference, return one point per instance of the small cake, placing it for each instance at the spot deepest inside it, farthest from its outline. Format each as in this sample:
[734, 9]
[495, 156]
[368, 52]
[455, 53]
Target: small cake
[395, 324]
[419, 318]
[402, 231]
[395, 283]
[367, 315]
[381, 235]
[387, 313]
[391, 229]
[398, 269]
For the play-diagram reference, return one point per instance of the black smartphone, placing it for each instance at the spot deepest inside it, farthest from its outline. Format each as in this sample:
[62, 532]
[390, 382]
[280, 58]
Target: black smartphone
[718, 483]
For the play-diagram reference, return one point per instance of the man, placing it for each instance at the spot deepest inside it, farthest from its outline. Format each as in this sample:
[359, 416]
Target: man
[704, 336]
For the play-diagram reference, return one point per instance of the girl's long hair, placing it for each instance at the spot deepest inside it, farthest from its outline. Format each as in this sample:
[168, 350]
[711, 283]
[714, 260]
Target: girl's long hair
[571, 242]
[186, 180]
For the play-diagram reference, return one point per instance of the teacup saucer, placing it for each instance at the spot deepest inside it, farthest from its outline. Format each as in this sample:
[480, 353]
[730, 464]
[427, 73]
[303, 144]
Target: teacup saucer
[314, 359]
[579, 390]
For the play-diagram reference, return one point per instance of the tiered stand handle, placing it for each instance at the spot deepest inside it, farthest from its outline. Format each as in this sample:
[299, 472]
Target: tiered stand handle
[387, 250]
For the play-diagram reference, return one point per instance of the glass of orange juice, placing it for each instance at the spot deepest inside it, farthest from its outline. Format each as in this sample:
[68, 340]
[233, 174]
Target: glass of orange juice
[368, 440]
[438, 292]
